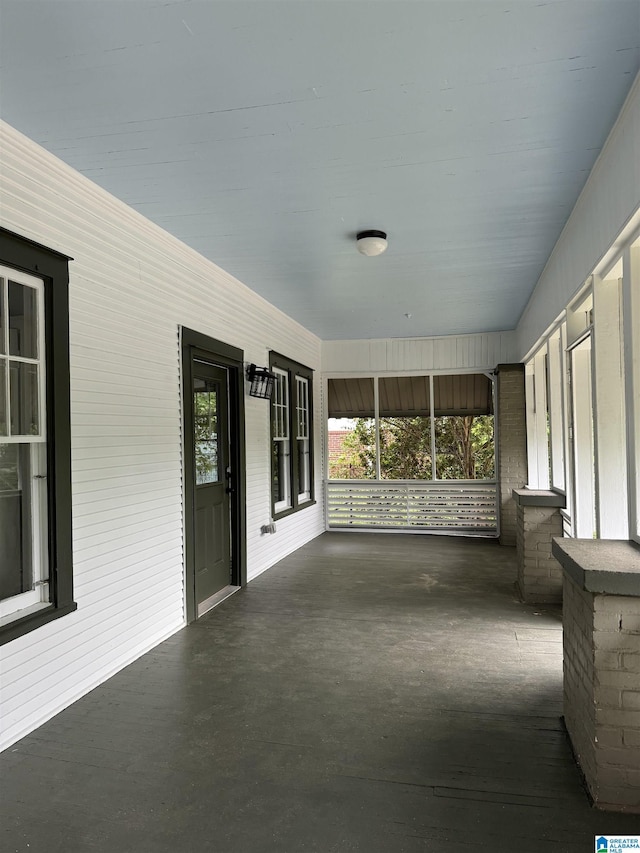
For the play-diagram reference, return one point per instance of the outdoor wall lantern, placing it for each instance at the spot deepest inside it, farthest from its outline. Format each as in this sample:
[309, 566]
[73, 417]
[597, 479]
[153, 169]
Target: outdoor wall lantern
[261, 380]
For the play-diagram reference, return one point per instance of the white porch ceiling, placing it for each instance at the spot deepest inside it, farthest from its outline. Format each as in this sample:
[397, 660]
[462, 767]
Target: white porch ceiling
[266, 134]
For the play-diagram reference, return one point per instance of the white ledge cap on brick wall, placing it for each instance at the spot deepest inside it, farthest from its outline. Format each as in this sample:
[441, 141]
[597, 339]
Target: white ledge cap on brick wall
[606, 566]
[538, 497]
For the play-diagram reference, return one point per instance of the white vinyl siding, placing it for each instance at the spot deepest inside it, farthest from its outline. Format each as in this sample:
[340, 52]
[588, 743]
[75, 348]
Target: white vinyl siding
[132, 286]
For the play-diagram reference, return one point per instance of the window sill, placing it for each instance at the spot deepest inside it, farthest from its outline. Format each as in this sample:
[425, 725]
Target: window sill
[600, 566]
[538, 497]
[285, 512]
[24, 610]
[27, 623]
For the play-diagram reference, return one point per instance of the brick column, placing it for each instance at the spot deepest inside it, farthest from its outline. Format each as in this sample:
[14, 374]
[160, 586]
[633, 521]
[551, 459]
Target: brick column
[538, 522]
[602, 672]
[511, 450]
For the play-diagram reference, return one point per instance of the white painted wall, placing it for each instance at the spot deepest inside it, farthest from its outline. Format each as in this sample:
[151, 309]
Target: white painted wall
[132, 285]
[606, 205]
[449, 353]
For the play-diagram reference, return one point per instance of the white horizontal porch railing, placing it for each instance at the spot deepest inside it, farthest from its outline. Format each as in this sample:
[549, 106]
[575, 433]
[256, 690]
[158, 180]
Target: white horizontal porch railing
[467, 506]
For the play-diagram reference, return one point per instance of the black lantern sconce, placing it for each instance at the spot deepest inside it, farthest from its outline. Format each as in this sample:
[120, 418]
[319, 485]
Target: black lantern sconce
[261, 380]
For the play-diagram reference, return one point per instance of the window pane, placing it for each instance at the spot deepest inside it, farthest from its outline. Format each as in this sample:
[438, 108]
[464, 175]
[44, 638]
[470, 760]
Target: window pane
[405, 448]
[23, 391]
[281, 469]
[280, 405]
[465, 447]
[3, 396]
[584, 520]
[302, 407]
[2, 316]
[304, 469]
[547, 419]
[555, 411]
[15, 520]
[23, 320]
[302, 442]
[205, 407]
[352, 449]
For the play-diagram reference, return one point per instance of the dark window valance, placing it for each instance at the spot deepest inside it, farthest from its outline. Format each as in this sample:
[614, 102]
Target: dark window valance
[408, 396]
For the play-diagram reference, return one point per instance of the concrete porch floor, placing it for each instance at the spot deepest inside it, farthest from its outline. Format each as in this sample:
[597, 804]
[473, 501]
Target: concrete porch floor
[371, 693]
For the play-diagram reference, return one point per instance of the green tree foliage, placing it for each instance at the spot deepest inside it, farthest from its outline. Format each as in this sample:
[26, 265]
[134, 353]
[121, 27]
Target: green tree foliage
[464, 447]
[405, 448]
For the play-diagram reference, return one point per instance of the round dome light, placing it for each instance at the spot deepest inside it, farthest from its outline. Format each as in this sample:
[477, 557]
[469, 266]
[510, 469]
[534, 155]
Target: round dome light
[371, 243]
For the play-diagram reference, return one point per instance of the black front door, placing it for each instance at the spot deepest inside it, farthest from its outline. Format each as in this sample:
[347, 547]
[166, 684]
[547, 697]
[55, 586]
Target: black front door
[212, 481]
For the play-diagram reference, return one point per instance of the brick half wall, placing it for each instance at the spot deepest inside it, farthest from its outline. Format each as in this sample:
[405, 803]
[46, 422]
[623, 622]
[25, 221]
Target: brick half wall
[539, 573]
[602, 692]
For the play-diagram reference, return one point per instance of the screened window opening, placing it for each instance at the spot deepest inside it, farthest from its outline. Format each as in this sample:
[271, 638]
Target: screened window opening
[464, 427]
[351, 429]
[425, 428]
[291, 436]
[405, 428]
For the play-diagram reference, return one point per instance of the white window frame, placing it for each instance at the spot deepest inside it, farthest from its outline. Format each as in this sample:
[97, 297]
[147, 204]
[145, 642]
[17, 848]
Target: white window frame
[303, 434]
[290, 422]
[631, 327]
[556, 407]
[37, 597]
[281, 432]
[584, 515]
[610, 407]
[536, 419]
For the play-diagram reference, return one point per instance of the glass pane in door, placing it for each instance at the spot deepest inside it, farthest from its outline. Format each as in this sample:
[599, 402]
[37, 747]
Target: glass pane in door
[205, 409]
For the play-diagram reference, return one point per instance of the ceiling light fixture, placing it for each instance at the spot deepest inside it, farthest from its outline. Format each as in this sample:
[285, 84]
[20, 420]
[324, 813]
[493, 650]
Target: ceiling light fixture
[371, 243]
